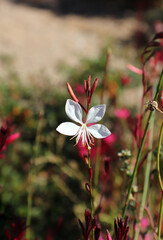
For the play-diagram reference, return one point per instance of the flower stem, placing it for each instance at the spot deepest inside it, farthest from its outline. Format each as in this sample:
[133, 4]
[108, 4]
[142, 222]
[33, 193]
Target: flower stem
[141, 148]
[146, 182]
[32, 173]
[91, 190]
[147, 176]
[160, 182]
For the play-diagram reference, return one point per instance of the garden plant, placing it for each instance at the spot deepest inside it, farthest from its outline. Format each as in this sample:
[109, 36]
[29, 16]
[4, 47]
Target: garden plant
[94, 176]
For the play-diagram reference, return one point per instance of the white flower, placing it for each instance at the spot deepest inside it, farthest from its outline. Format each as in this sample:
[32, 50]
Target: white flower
[85, 132]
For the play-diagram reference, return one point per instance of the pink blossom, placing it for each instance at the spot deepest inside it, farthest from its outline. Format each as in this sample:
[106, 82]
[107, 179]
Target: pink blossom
[148, 236]
[79, 89]
[134, 69]
[110, 139]
[12, 138]
[144, 224]
[108, 235]
[122, 113]
[125, 80]
[100, 237]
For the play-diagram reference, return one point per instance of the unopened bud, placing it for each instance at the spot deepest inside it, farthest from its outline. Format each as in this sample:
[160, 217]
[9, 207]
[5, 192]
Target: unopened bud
[85, 86]
[87, 187]
[89, 83]
[71, 93]
[85, 158]
[94, 86]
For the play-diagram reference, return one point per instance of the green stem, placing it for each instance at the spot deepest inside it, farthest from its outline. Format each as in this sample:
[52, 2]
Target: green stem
[141, 148]
[32, 173]
[91, 190]
[160, 182]
[146, 181]
[147, 174]
[160, 219]
[158, 158]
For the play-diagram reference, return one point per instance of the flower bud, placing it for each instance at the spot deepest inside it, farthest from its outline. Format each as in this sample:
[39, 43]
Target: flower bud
[87, 187]
[94, 86]
[71, 93]
[89, 83]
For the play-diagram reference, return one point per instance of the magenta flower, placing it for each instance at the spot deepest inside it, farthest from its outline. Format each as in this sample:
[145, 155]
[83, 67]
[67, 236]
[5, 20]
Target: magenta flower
[110, 139]
[144, 224]
[122, 113]
[125, 80]
[12, 138]
[6, 138]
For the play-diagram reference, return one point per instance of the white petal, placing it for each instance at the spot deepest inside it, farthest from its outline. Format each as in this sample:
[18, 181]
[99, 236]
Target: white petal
[99, 131]
[74, 111]
[96, 113]
[68, 128]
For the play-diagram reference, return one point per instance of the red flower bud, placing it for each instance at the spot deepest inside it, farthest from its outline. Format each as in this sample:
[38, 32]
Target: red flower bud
[71, 93]
[89, 83]
[94, 87]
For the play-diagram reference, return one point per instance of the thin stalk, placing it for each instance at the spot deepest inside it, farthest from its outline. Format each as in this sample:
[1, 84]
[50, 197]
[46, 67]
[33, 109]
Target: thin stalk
[141, 148]
[160, 182]
[147, 175]
[32, 173]
[91, 190]
[160, 219]
[158, 159]
[146, 181]
[97, 164]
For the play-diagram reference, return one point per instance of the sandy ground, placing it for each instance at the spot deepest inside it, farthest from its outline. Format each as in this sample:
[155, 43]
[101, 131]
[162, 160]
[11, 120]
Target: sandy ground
[39, 41]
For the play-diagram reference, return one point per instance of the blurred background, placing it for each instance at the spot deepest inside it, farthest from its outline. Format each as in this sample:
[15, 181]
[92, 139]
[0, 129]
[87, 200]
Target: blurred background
[49, 37]
[44, 44]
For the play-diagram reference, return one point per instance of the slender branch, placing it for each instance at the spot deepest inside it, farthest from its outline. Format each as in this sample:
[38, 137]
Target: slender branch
[147, 175]
[91, 190]
[160, 182]
[158, 158]
[141, 148]
[32, 173]
[160, 218]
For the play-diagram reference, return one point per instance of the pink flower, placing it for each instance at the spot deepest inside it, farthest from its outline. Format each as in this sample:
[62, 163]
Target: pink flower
[144, 224]
[108, 235]
[122, 113]
[148, 236]
[12, 138]
[79, 89]
[110, 139]
[134, 69]
[125, 80]
[6, 138]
